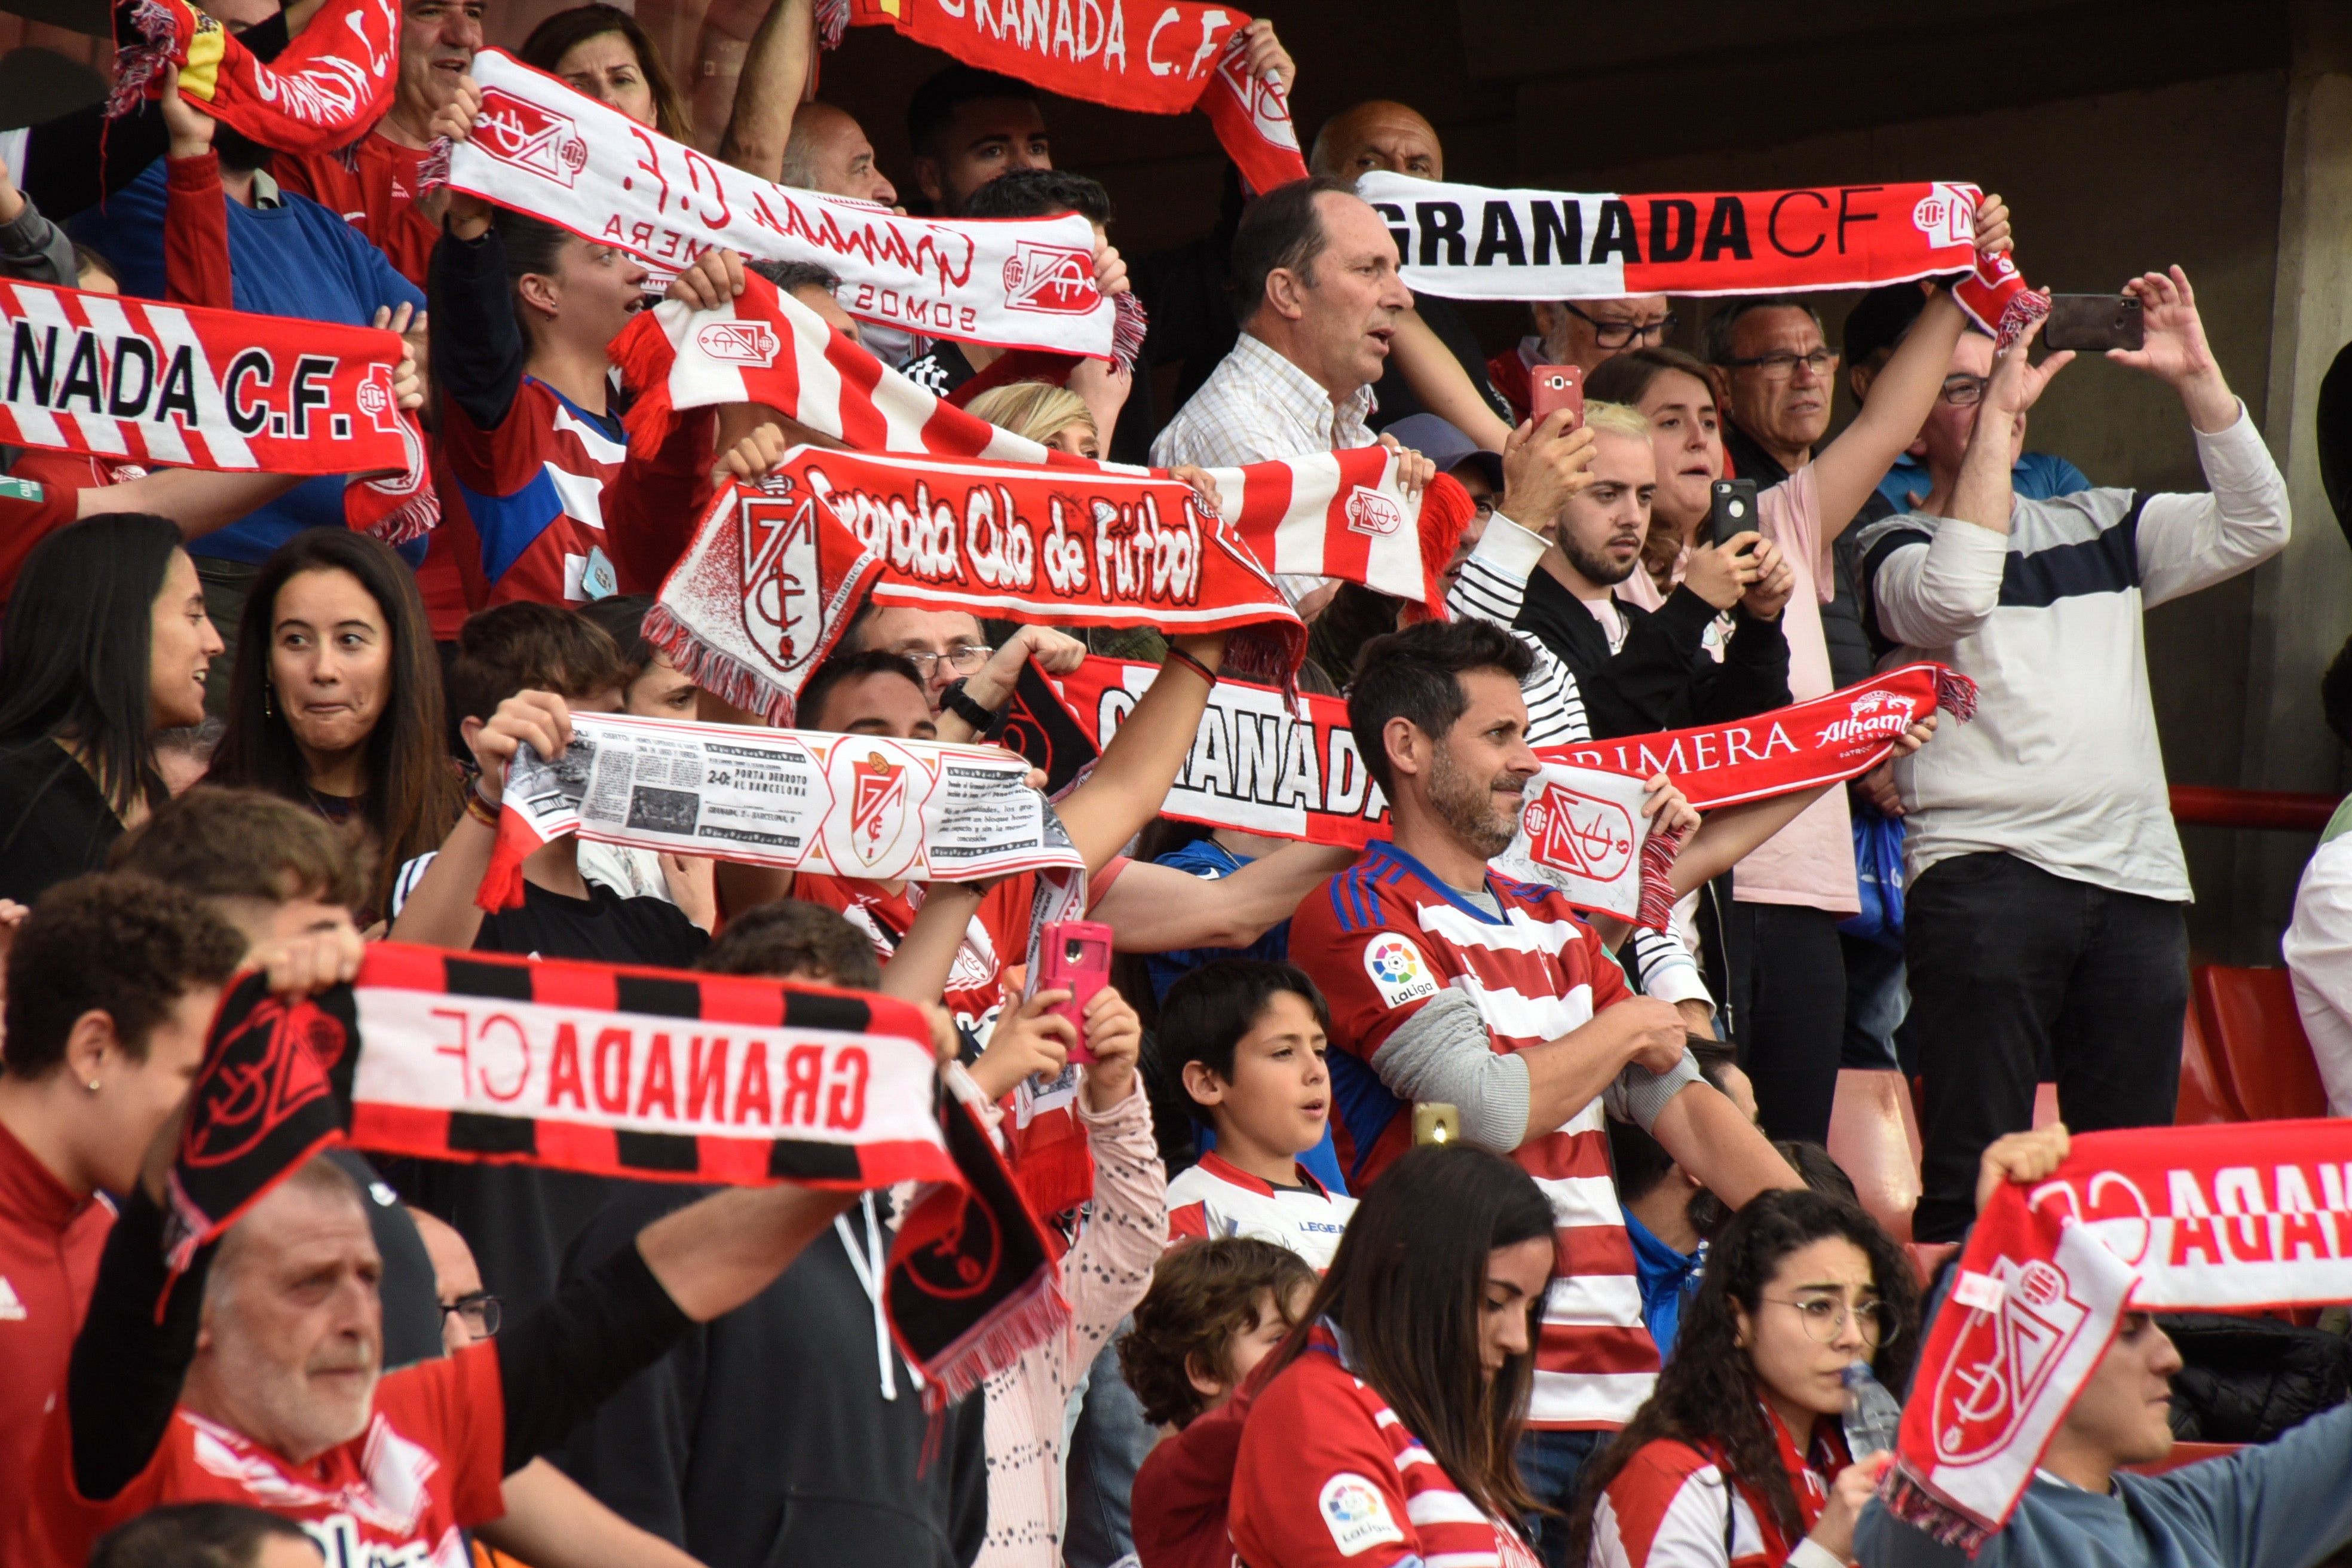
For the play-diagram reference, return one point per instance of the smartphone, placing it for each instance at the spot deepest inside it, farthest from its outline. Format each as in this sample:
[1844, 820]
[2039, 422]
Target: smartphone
[1733, 510]
[1075, 956]
[2093, 323]
[1552, 386]
[1434, 1122]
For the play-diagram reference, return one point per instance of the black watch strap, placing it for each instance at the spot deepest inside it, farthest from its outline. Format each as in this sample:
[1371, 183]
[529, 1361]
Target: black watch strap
[968, 708]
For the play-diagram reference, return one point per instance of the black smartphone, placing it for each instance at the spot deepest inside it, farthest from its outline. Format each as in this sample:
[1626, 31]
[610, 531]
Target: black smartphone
[2092, 324]
[1734, 510]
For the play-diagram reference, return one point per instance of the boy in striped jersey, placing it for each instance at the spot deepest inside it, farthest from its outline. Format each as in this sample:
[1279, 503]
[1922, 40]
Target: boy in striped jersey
[1448, 983]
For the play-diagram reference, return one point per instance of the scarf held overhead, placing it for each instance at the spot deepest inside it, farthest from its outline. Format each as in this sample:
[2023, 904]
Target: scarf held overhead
[846, 805]
[1469, 242]
[1160, 58]
[2155, 1219]
[543, 148]
[180, 386]
[325, 90]
[619, 1071]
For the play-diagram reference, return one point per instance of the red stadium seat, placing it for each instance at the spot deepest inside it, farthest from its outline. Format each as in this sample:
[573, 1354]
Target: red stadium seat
[1870, 1138]
[2204, 1086]
[1926, 1257]
[2248, 1019]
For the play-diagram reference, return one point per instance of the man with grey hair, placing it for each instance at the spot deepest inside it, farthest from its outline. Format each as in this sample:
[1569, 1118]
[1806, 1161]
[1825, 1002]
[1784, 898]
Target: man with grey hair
[260, 1381]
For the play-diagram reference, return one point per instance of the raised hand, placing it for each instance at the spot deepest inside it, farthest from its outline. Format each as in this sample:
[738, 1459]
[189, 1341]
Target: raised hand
[1544, 464]
[752, 458]
[1027, 1040]
[2017, 382]
[712, 279]
[1723, 573]
[2173, 349]
[1992, 226]
[1115, 1036]
[1267, 58]
[191, 129]
[541, 718]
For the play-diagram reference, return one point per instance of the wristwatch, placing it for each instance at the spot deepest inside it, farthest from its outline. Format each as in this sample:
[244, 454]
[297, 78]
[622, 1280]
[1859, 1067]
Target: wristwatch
[969, 709]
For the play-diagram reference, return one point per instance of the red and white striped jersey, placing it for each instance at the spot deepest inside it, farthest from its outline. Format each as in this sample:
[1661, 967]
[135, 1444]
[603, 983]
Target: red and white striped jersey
[1382, 939]
[1666, 1509]
[1327, 1477]
[1214, 1199]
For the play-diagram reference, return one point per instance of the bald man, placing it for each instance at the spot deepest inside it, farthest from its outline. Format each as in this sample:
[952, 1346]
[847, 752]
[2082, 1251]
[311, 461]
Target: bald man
[1384, 135]
[828, 152]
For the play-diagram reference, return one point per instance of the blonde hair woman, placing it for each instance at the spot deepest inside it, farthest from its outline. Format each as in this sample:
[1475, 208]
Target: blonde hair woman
[1052, 416]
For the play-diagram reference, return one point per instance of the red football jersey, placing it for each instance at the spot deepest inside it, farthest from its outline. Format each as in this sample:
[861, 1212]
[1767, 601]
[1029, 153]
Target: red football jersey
[393, 1497]
[1381, 939]
[30, 511]
[995, 938]
[49, 1246]
[523, 504]
[374, 184]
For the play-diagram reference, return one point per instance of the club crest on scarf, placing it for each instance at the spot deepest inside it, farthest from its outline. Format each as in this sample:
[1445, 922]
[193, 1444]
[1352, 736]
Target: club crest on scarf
[1580, 833]
[1946, 214]
[1056, 279]
[1369, 512]
[530, 136]
[2003, 1357]
[740, 343]
[875, 777]
[784, 608]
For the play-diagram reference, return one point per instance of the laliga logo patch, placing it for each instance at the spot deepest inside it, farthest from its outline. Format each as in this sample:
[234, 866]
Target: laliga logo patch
[1398, 971]
[1945, 215]
[882, 836]
[739, 342]
[784, 608]
[515, 130]
[2004, 1358]
[1369, 512]
[1579, 833]
[1052, 279]
[1356, 1514]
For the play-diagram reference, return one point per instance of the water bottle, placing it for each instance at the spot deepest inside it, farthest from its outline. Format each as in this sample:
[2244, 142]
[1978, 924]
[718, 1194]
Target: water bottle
[1872, 1419]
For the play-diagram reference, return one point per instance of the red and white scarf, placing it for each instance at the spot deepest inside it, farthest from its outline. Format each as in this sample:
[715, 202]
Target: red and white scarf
[545, 149]
[143, 382]
[1161, 56]
[322, 92]
[2158, 1219]
[1470, 242]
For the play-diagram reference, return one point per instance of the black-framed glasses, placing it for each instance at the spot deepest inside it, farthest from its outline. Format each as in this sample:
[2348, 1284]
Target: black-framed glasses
[1963, 390]
[964, 660]
[1623, 334]
[1826, 1318]
[1780, 365]
[478, 1310]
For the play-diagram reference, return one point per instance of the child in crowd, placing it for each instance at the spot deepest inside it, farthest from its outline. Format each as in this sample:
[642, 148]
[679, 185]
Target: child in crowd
[1247, 1039]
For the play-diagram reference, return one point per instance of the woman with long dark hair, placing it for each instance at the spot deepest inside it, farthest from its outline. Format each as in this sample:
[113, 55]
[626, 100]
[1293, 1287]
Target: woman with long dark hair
[603, 52]
[1740, 1458]
[335, 702]
[1386, 1432]
[105, 642]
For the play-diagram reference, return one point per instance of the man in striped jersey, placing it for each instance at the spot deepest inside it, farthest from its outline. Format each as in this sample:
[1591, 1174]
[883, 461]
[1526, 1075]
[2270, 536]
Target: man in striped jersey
[1449, 983]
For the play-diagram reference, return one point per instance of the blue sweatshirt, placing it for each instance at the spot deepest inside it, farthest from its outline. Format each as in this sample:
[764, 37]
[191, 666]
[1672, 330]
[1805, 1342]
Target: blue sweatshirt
[295, 259]
[2281, 1504]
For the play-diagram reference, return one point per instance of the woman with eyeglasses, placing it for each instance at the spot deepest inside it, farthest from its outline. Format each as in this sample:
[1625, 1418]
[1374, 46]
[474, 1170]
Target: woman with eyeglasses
[1740, 1458]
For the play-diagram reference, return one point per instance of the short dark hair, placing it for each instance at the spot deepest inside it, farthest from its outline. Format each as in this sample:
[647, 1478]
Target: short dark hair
[525, 647]
[847, 667]
[934, 103]
[1203, 1296]
[1208, 1010]
[1040, 192]
[1281, 229]
[1625, 378]
[127, 946]
[222, 843]
[1715, 338]
[789, 939]
[1880, 320]
[1416, 674]
[788, 275]
[195, 1535]
[2336, 693]
[623, 619]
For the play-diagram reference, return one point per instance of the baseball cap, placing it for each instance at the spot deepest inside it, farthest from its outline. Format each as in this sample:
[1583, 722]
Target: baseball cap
[1442, 443]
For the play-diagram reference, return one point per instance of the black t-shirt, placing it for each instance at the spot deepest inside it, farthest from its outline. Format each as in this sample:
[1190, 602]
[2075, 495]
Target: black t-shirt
[940, 371]
[603, 928]
[54, 822]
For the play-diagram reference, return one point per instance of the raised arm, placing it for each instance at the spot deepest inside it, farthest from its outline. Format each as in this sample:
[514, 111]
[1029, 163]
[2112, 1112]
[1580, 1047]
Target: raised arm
[1444, 388]
[775, 77]
[1157, 908]
[1131, 780]
[440, 910]
[1710, 1137]
[918, 970]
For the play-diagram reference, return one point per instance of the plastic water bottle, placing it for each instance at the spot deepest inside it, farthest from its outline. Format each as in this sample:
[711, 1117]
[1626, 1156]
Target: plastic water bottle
[1872, 1419]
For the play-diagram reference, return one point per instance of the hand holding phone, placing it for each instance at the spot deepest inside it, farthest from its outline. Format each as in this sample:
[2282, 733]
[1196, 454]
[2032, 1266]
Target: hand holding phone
[1732, 509]
[2093, 323]
[1074, 956]
[1553, 386]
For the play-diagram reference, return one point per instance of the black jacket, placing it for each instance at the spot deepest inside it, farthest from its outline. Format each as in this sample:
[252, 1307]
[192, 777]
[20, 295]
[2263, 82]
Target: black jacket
[1664, 678]
[762, 1440]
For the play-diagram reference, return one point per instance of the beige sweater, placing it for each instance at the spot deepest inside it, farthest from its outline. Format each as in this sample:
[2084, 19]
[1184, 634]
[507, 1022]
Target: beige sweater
[1104, 1276]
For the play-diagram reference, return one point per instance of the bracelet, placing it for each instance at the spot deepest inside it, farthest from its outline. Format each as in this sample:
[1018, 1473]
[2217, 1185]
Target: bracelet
[1204, 672]
[955, 700]
[481, 810]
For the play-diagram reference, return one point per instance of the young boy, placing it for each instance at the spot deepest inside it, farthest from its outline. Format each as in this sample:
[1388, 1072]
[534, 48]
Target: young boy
[1247, 1039]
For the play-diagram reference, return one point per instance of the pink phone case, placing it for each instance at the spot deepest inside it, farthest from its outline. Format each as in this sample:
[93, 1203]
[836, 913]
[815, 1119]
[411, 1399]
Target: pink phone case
[1075, 956]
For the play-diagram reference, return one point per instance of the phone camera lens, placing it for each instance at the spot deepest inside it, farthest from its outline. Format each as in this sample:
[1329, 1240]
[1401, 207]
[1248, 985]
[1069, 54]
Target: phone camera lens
[1072, 951]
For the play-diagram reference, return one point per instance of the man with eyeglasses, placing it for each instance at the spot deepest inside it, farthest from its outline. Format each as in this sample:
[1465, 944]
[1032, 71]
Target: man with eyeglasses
[1586, 333]
[960, 672]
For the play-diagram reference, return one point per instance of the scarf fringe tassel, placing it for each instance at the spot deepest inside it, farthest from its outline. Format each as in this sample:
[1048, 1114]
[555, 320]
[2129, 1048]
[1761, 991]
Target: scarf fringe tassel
[1956, 693]
[139, 61]
[1915, 1505]
[716, 672]
[996, 1342]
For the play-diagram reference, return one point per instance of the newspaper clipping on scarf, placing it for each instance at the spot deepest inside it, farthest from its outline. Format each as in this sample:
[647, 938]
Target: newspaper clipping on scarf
[845, 805]
[557, 154]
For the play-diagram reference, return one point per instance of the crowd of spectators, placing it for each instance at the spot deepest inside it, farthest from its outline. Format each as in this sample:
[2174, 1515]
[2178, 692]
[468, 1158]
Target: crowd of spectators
[1610, 1318]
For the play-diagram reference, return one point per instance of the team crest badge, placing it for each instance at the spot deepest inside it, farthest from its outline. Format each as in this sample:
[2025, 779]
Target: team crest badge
[1580, 833]
[884, 786]
[784, 601]
[516, 131]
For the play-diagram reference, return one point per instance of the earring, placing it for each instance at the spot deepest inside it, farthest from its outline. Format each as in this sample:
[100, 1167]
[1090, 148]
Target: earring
[269, 703]
[93, 1086]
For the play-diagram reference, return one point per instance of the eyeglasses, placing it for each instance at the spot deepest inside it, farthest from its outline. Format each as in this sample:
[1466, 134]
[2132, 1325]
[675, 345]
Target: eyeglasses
[479, 1311]
[964, 660]
[1825, 1319]
[1623, 334]
[1963, 390]
[1783, 364]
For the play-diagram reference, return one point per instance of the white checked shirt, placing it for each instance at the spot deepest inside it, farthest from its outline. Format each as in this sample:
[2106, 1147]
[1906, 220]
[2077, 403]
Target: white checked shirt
[1257, 407]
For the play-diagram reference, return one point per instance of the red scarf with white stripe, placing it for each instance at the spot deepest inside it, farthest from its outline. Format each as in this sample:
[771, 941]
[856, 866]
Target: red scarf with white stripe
[2177, 1219]
[143, 382]
[322, 92]
[1161, 56]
